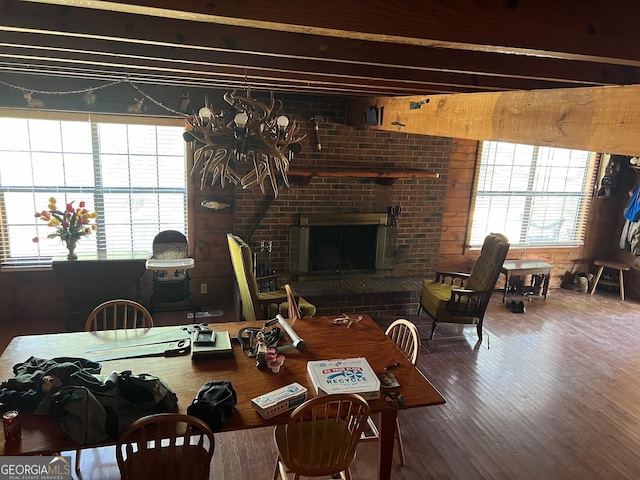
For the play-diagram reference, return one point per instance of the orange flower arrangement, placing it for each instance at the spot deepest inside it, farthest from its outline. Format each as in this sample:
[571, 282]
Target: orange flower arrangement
[70, 224]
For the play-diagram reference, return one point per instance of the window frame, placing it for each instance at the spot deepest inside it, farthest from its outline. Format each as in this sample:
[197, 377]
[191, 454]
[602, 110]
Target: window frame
[581, 217]
[44, 262]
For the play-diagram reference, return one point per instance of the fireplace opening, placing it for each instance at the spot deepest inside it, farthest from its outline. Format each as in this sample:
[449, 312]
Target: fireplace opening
[337, 248]
[326, 245]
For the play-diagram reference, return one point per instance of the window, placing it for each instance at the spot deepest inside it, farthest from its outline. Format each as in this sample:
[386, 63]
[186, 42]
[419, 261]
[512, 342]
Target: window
[534, 195]
[132, 174]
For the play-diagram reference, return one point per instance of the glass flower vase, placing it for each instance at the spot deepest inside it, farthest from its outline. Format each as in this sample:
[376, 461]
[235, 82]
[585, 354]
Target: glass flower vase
[71, 246]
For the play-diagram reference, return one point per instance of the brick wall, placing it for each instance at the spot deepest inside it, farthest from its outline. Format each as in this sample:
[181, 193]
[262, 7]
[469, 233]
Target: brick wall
[257, 217]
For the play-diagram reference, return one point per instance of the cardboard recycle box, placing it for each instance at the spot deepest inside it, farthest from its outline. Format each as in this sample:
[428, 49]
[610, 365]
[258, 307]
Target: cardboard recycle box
[349, 375]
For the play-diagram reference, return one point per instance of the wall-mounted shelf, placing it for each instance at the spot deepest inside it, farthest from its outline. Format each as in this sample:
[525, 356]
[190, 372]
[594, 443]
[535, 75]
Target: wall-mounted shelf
[383, 177]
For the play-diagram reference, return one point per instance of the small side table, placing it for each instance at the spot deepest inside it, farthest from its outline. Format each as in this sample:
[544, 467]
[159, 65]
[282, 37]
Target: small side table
[519, 268]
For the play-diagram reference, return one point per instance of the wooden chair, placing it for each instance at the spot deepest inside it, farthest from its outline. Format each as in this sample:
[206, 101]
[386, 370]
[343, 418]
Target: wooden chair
[406, 336]
[321, 437]
[166, 446]
[461, 297]
[256, 305]
[115, 314]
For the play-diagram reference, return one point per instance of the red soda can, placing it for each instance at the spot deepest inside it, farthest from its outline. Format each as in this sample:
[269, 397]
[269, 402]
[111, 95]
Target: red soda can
[12, 428]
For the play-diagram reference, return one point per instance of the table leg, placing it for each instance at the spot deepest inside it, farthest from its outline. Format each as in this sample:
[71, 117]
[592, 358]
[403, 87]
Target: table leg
[506, 286]
[386, 442]
[545, 284]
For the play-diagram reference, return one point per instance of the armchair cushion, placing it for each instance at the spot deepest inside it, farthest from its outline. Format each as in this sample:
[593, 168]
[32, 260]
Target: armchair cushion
[434, 299]
[306, 309]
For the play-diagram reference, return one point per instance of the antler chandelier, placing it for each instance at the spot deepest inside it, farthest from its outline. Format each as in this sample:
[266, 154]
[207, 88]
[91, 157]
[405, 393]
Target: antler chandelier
[251, 132]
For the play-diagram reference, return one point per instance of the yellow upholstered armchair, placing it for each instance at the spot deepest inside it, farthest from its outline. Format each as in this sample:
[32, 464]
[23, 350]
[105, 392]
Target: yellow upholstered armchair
[462, 297]
[256, 305]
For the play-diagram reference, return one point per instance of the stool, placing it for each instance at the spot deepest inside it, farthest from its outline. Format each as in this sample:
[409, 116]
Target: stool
[621, 267]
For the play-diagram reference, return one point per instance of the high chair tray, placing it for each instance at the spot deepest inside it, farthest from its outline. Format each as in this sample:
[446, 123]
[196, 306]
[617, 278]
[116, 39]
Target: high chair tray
[177, 264]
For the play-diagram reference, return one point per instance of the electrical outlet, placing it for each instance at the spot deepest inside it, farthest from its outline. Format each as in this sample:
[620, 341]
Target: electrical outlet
[203, 288]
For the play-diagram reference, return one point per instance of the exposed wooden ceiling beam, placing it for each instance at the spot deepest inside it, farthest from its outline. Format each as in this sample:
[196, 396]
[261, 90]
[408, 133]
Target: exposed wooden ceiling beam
[544, 72]
[44, 47]
[602, 32]
[137, 31]
[601, 119]
[348, 48]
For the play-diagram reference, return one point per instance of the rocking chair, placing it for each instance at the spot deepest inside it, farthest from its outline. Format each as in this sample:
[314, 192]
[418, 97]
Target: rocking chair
[461, 297]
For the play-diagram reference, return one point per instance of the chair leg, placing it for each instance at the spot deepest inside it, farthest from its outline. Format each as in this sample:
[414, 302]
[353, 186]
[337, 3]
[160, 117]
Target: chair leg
[595, 280]
[621, 275]
[78, 451]
[364, 436]
[479, 330]
[276, 472]
[419, 308]
[399, 442]
[433, 329]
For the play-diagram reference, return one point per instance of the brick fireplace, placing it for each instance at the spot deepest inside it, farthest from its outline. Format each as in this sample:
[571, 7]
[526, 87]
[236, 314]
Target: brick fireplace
[409, 247]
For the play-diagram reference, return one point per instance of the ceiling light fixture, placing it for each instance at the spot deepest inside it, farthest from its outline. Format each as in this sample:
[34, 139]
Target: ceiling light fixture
[252, 132]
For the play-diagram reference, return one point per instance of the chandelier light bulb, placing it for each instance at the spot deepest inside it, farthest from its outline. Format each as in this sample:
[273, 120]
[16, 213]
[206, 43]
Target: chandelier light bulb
[251, 131]
[283, 122]
[241, 119]
[205, 113]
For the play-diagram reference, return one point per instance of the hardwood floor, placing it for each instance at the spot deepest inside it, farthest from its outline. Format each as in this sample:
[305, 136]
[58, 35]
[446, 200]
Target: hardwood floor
[550, 394]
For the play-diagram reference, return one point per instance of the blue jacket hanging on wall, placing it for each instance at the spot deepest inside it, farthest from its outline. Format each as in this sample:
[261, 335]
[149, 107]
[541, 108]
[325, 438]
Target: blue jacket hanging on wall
[632, 212]
[630, 238]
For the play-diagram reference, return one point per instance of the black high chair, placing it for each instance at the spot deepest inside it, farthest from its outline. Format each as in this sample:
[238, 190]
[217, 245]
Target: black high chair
[170, 264]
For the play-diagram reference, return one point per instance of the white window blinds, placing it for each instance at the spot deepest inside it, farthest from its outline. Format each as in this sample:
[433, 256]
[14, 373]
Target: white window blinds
[536, 196]
[132, 174]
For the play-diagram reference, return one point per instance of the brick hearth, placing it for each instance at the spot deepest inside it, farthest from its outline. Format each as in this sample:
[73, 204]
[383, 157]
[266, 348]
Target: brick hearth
[384, 297]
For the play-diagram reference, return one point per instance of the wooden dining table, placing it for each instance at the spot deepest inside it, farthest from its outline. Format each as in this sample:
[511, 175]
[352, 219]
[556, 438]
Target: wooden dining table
[323, 340]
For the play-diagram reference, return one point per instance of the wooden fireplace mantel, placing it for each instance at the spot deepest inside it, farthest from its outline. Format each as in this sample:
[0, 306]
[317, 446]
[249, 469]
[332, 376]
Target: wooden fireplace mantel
[383, 177]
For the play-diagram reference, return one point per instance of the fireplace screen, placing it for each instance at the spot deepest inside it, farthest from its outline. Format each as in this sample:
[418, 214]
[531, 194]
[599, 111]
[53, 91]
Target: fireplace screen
[337, 248]
[342, 244]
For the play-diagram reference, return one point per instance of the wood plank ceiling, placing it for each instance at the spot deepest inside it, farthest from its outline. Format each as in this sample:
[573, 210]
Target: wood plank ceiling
[476, 60]
[336, 47]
